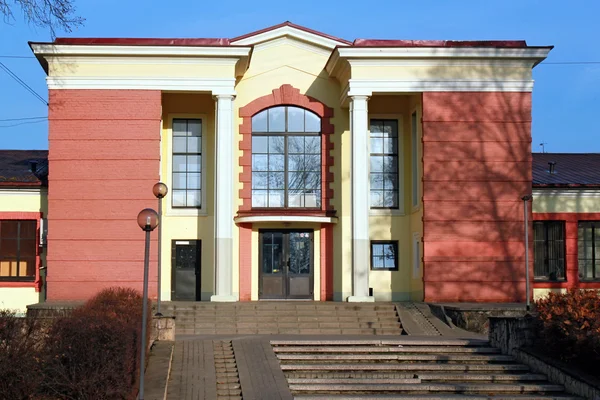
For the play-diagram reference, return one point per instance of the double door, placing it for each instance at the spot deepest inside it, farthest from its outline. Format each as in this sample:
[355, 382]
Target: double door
[185, 270]
[286, 264]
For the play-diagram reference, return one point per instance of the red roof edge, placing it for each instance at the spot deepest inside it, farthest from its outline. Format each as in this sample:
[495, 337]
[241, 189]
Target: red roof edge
[144, 41]
[440, 43]
[292, 25]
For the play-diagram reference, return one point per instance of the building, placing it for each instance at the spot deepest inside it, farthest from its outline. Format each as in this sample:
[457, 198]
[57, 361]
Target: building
[566, 213]
[23, 205]
[300, 166]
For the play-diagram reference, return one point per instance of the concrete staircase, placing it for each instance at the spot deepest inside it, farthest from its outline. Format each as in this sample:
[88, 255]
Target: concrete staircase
[317, 318]
[425, 369]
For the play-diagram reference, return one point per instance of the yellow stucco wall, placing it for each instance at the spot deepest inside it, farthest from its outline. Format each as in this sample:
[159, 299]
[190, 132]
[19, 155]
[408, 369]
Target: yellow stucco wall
[22, 200]
[398, 224]
[128, 67]
[418, 72]
[577, 201]
[15, 298]
[541, 293]
[189, 224]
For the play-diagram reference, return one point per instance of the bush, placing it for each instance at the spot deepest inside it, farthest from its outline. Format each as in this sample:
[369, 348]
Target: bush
[568, 326]
[94, 352]
[21, 342]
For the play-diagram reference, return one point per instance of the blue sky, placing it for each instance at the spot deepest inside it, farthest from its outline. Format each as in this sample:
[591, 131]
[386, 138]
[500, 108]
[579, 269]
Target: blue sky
[566, 97]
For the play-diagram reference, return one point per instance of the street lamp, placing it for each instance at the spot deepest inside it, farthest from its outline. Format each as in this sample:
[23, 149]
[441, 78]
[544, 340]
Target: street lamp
[147, 220]
[160, 190]
[525, 199]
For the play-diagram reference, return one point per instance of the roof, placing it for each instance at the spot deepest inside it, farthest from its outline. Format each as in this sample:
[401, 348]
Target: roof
[572, 170]
[343, 42]
[16, 168]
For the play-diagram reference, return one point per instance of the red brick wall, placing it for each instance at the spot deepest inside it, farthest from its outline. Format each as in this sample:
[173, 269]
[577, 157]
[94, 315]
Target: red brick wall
[104, 159]
[477, 166]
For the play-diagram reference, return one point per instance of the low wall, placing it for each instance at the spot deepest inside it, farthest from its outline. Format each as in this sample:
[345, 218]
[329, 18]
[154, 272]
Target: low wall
[516, 336]
[474, 317]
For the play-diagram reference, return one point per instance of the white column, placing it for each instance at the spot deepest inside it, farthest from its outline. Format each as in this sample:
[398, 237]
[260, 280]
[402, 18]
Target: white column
[359, 131]
[223, 201]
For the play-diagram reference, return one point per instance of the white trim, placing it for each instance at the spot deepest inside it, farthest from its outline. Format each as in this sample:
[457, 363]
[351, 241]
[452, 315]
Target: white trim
[366, 87]
[443, 52]
[32, 191]
[218, 86]
[415, 160]
[290, 32]
[285, 218]
[400, 120]
[210, 51]
[167, 140]
[574, 192]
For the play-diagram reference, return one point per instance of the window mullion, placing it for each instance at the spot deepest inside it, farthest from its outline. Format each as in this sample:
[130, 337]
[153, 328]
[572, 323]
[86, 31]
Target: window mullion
[285, 169]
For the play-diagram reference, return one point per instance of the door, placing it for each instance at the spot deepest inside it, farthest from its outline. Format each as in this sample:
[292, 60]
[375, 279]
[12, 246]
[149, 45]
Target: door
[185, 266]
[286, 264]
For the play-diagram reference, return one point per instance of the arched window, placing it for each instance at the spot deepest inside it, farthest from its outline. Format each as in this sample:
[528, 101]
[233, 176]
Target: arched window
[286, 158]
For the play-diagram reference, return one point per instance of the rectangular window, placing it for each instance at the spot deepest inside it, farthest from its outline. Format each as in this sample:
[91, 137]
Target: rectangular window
[416, 255]
[549, 250]
[384, 163]
[17, 250]
[187, 163]
[384, 255]
[415, 159]
[588, 250]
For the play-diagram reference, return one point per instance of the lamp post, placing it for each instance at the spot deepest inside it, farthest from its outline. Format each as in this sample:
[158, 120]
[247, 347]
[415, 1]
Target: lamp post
[159, 190]
[525, 199]
[147, 220]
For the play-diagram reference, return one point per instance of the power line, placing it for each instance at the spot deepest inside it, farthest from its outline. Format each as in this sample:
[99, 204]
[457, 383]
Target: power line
[570, 63]
[2, 56]
[20, 81]
[21, 119]
[22, 123]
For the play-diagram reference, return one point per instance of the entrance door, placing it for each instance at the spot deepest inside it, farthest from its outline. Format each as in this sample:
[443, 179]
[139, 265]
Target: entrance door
[185, 266]
[286, 264]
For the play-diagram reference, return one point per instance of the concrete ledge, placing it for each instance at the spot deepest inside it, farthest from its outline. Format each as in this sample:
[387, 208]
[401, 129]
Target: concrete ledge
[474, 317]
[158, 371]
[361, 299]
[219, 298]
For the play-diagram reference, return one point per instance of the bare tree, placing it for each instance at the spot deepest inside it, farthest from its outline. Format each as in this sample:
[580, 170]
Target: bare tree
[48, 14]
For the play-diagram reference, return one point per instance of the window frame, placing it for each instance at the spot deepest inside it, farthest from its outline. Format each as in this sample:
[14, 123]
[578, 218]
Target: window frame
[167, 177]
[384, 242]
[595, 225]
[400, 210]
[546, 250]
[30, 279]
[286, 134]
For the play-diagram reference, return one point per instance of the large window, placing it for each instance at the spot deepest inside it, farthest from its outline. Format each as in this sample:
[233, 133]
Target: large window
[588, 250]
[549, 250]
[187, 163]
[384, 163]
[286, 158]
[17, 250]
[384, 255]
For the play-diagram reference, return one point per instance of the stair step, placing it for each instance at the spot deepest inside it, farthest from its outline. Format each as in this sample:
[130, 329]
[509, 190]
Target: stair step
[394, 342]
[429, 387]
[482, 377]
[398, 357]
[405, 367]
[332, 396]
[450, 376]
[321, 381]
[407, 349]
